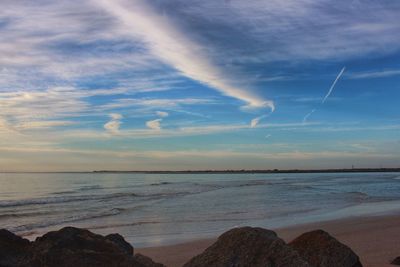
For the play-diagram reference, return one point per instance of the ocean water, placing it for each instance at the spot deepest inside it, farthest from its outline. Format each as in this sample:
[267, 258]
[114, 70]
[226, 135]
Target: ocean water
[160, 209]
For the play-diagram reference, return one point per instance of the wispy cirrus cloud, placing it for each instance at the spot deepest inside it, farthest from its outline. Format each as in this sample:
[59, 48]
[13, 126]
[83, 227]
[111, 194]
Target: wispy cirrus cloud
[155, 103]
[306, 29]
[166, 42]
[76, 48]
[374, 74]
[37, 109]
[53, 107]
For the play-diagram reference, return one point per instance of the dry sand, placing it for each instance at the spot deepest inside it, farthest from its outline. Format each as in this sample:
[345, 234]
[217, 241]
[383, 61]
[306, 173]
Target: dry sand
[375, 239]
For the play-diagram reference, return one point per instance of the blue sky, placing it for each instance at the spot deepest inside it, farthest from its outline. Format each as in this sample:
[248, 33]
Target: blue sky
[177, 84]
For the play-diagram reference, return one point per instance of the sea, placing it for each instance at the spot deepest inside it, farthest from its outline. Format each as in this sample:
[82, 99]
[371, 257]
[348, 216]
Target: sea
[162, 209]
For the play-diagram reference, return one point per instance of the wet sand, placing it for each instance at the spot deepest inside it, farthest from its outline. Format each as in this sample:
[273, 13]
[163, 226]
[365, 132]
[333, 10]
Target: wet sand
[375, 239]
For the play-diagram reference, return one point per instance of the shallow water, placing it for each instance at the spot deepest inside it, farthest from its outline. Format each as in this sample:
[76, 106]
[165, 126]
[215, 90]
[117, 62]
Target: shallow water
[158, 209]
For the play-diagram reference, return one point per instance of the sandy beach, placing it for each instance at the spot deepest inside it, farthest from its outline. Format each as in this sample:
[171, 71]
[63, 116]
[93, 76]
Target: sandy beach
[375, 239]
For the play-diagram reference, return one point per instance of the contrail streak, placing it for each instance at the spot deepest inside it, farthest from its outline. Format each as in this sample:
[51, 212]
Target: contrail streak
[333, 85]
[308, 115]
[326, 97]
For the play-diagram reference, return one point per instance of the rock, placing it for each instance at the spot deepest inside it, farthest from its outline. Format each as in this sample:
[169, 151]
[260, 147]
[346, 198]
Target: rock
[121, 243]
[77, 247]
[396, 261]
[322, 250]
[247, 246]
[82, 248]
[13, 249]
[146, 261]
[70, 247]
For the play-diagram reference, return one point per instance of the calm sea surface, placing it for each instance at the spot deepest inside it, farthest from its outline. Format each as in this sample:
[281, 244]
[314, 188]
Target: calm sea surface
[158, 209]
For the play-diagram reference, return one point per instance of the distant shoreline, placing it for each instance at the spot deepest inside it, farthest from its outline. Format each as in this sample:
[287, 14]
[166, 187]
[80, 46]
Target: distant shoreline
[261, 171]
[353, 170]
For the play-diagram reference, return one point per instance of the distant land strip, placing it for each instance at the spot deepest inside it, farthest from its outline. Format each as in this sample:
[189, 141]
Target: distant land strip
[260, 171]
[352, 170]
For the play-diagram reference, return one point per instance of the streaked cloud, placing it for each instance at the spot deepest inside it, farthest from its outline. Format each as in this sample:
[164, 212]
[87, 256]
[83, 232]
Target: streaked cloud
[42, 124]
[35, 109]
[374, 74]
[296, 30]
[155, 103]
[165, 40]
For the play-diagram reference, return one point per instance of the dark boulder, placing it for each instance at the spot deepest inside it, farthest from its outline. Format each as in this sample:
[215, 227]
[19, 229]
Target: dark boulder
[145, 261]
[121, 243]
[322, 250]
[13, 249]
[74, 239]
[82, 248]
[396, 261]
[247, 246]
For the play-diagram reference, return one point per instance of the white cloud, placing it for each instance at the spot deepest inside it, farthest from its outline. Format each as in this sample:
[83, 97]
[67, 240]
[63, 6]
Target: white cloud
[162, 114]
[174, 48]
[254, 122]
[154, 124]
[114, 124]
[115, 116]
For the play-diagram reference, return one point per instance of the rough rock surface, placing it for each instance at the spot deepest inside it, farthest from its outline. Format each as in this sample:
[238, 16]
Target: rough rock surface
[13, 249]
[118, 240]
[70, 247]
[77, 247]
[146, 261]
[322, 250]
[247, 246]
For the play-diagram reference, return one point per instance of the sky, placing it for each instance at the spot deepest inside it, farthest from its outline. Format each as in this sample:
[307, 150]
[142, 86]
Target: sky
[195, 85]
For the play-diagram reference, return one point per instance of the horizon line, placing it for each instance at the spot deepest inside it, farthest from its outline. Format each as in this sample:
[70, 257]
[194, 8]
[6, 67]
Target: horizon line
[367, 169]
